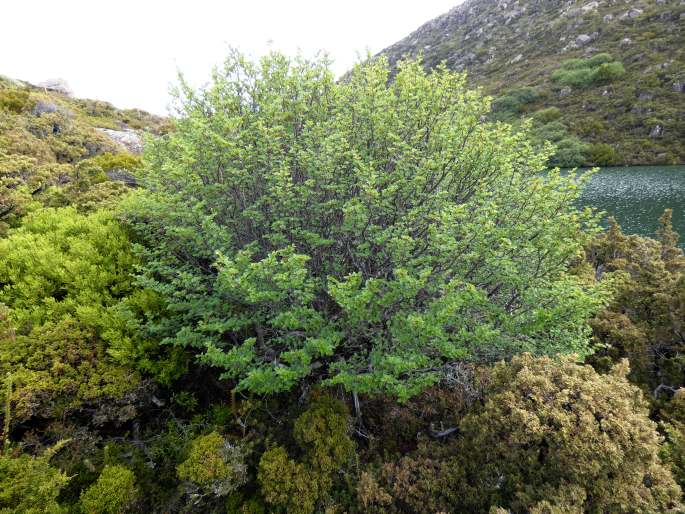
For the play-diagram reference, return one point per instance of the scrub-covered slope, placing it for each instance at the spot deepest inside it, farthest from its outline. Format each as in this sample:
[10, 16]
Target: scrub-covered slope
[604, 79]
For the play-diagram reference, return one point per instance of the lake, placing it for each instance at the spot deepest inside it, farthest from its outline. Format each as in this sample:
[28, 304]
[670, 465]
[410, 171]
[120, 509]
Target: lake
[637, 195]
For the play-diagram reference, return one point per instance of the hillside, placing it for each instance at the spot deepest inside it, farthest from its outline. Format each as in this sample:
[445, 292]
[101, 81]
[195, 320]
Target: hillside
[57, 150]
[604, 80]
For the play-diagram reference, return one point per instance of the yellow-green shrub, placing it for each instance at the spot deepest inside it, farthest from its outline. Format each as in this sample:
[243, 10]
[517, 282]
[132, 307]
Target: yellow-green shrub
[114, 492]
[30, 485]
[322, 434]
[63, 278]
[214, 465]
[557, 432]
[14, 100]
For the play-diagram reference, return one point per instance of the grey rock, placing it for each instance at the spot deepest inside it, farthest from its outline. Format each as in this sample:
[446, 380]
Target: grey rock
[42, 107]
[127, 138]
[122, 176]
[679, 86]
[57, 85]
[626, 41]
[608, 18]
[633, 13]
[657, 131]
[583, 39]
[645, 97]
[590, 7]
[564, 92]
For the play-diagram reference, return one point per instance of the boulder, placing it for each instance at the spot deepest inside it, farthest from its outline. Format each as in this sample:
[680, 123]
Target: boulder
[633, 13]
[127, 138]
[122, 176]
[608, 18]
[57, 85]
[564, 92]
[590, 7]
[42, 107]
[583, 39]
[679, 86]
[657, 131]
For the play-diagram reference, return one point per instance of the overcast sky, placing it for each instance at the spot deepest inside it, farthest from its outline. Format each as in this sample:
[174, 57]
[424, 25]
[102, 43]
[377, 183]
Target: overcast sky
[127, 52]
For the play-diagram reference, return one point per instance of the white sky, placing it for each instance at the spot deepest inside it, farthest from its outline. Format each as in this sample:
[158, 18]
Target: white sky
[127, 51]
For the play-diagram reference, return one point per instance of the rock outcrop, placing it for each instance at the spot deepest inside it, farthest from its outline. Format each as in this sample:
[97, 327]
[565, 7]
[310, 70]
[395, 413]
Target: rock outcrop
[128, 138]
[57, 86]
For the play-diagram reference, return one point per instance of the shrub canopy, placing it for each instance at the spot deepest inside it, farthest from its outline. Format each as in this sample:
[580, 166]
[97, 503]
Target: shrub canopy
[361, 232]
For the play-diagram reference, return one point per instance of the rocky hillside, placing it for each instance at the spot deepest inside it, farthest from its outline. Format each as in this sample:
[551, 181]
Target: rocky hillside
[57, 150]
[603, 79]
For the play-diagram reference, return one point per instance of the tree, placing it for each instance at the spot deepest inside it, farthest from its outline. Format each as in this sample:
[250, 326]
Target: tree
[361, 232]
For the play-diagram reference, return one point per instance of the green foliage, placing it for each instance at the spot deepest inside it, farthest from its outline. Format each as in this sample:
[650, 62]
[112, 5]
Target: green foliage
[298, 487]
[550, 436]
[570, 152]
[674, 427]
[547, 115]
[514, 101]
[121, 161]
[358, 232]
[582, 73]
[214, 465]
[554, 431]
[113, 492]
[609, 72]
[64, 278]
[643, 320]
[14, 100]
[286, 484]
[30, 485]
[560, 433]
[602, 154]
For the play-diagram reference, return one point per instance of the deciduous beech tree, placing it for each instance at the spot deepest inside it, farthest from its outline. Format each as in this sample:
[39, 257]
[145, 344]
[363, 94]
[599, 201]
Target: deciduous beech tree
[360, 232]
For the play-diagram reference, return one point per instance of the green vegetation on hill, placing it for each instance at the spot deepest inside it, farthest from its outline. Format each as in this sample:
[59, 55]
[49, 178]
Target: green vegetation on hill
[615, 70]
[328, 297]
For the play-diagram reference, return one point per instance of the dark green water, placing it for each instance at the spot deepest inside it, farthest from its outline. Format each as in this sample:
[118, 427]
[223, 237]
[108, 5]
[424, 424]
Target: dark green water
[637, 195]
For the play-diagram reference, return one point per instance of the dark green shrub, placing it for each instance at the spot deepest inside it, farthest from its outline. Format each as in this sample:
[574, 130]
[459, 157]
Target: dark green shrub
[602, 154]
[581, 77]
[514, 101]
[583, 73]
[547, 115]
[608, 72]
[570, 153]
[553, 131]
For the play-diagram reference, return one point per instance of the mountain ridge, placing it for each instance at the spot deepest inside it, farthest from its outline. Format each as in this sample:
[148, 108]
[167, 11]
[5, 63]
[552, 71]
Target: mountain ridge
[638, 115]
